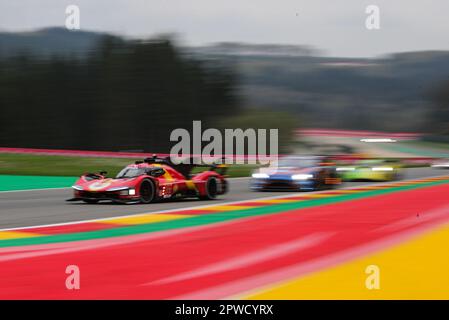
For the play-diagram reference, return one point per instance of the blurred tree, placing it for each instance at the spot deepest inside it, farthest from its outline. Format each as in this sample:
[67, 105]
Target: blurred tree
[126, 95]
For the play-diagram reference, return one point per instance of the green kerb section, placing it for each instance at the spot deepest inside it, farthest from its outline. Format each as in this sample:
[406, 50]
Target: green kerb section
[211, 218]
[12, 183]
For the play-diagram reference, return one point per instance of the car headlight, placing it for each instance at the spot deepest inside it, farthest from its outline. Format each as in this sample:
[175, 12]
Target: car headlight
[132, 192]
[76, 187]
[302, 176]
[118, 189]
[346, 169]
[382, 169]
[260, 175]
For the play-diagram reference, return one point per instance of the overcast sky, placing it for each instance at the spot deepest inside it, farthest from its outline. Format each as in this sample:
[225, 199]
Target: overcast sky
[335, 26]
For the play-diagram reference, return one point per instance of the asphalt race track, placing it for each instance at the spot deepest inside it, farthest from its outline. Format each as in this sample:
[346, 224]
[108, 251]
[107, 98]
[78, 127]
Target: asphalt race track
[295, 246]
[40, 207]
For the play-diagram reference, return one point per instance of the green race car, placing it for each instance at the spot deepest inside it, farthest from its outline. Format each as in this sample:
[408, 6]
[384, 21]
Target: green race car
[371, 170]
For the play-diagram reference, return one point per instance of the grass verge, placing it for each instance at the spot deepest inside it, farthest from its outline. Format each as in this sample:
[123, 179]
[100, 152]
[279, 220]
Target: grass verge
[43, 165]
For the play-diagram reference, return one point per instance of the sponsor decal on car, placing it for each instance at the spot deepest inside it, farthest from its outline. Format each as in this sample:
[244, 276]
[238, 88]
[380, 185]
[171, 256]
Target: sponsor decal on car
[100, 185]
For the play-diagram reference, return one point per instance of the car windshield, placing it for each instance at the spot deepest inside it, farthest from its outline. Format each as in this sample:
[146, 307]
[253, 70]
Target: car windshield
[130, 173]
[297, 162]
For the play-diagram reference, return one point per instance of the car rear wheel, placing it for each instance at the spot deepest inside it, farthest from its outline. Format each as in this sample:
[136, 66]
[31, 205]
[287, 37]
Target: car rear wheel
[147, 191]
[211, 189]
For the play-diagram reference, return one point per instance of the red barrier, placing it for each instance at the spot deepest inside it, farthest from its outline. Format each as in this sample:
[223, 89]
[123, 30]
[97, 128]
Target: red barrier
[137, 155]
[104, 154]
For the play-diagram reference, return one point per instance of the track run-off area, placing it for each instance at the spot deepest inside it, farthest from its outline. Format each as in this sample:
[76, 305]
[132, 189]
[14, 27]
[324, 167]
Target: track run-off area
[248, 245]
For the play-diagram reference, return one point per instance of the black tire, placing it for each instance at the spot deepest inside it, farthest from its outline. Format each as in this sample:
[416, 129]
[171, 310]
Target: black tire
[225, 187]
[90, 201]
[396, 176]
[147, 191]
[320, 183]
[211, 189]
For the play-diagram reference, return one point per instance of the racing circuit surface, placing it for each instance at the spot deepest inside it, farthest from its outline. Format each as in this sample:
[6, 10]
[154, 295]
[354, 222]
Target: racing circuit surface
[309, 245]
[29, 208]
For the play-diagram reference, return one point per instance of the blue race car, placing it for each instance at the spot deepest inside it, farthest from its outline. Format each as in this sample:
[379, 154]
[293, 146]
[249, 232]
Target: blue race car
[296, 173]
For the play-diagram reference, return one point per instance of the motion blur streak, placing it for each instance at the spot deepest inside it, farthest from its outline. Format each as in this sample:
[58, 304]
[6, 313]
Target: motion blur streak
[415, 270]
[253, 258]
[354, 226]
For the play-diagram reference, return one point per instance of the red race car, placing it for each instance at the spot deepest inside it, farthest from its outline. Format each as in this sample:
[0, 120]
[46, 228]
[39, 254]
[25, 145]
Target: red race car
[151, 180]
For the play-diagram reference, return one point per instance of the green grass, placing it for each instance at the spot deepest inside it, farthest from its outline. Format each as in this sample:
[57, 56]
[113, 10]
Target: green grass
[43, 165]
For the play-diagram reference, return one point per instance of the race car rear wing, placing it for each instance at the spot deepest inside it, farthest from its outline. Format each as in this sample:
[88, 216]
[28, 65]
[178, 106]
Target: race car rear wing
[188, 165]
[221, 169]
